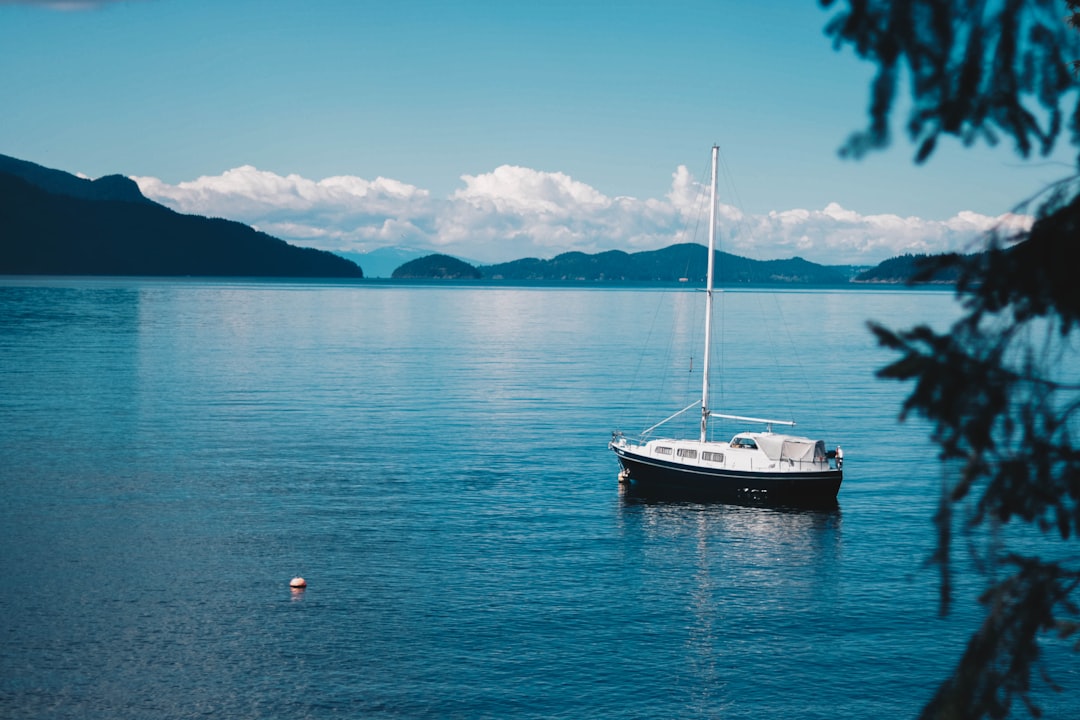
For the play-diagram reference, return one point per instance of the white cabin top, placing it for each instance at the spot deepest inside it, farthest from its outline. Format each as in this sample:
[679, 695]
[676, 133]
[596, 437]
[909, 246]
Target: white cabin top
[775, 446]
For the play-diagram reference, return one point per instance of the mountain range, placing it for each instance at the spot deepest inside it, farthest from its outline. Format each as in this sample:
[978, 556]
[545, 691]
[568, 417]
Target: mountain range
[686, 262]
[55, 223]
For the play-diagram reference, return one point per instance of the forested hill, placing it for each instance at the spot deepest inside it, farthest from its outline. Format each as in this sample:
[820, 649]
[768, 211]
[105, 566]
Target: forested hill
[677, 263]
[903, 268]
[442, 267]
[58, 182]
[54, 223]
[687, 261]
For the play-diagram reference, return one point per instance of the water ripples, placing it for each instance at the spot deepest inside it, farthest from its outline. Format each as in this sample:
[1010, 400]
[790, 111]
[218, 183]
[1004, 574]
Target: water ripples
[433, 461]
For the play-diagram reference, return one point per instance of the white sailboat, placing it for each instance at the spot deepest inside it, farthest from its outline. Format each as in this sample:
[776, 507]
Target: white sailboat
[759, 466]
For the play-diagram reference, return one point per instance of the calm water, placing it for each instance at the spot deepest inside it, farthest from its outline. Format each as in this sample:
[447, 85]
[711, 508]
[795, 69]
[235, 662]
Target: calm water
[433, 460]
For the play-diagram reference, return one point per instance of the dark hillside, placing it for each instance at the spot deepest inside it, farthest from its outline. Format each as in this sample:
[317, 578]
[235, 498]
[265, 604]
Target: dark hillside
[902, 269]
[57, 234]
[58, 182]
[687, 261]
[441, 267]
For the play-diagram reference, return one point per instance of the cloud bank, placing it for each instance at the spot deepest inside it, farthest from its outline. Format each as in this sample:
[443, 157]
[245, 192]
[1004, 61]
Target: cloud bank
[514, 212]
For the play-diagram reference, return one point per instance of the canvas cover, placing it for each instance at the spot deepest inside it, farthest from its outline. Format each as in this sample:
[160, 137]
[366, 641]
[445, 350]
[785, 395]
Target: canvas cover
[789, 447]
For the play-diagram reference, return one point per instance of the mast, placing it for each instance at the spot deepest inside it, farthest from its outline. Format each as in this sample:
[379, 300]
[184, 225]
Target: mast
[709, 300]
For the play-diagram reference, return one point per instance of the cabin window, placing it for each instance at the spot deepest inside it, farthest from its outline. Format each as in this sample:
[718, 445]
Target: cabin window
[661, 450]
[743, 442]
[712, 457]
[687, 453]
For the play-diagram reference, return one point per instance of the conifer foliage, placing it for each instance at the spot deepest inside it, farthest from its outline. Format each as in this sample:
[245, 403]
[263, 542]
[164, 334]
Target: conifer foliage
[1002, 384]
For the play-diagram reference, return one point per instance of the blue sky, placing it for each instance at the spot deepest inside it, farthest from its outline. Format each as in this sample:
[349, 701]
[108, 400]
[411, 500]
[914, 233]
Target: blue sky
[489, 129]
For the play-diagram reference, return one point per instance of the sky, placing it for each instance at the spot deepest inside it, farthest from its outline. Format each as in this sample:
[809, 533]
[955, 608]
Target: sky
[492, 129]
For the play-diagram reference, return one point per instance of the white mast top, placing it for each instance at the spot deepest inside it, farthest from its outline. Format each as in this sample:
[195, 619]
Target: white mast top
[709, 300]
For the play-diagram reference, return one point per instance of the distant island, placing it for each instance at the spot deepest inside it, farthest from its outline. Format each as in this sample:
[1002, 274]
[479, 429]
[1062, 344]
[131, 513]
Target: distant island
[442, 267]
[54, 223]
[903, 269]
[685, 262]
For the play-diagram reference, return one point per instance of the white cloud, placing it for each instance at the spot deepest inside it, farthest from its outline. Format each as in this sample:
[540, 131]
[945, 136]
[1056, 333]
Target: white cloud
[335, 213]
[514, 212]
[510, 189]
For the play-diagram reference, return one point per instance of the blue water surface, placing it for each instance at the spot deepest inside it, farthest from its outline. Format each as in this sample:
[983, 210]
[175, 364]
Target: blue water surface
[432, 459]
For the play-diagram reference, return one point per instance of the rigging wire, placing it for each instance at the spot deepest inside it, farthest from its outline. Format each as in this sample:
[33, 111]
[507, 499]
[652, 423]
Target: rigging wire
[792, 351]
[667, 297]
[691, 231]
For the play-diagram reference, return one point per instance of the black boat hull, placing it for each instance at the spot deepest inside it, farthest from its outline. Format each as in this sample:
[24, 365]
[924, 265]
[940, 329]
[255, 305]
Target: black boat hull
[817, 488]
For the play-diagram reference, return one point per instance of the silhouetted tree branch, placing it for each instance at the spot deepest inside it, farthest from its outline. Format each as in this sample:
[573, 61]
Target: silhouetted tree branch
[977, 69]
[1000, 385]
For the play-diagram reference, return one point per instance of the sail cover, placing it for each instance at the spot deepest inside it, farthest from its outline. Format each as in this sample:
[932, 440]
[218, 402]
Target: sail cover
[788, 447]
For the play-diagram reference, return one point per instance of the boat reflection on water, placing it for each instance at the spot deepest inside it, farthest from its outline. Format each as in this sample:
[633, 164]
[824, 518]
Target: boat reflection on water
[797, 535]
[756, 591]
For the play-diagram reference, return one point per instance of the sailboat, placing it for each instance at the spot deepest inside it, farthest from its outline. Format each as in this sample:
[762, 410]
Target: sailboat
[757, 466]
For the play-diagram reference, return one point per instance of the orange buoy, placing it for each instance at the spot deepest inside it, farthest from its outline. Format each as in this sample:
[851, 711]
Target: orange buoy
[298, 582]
